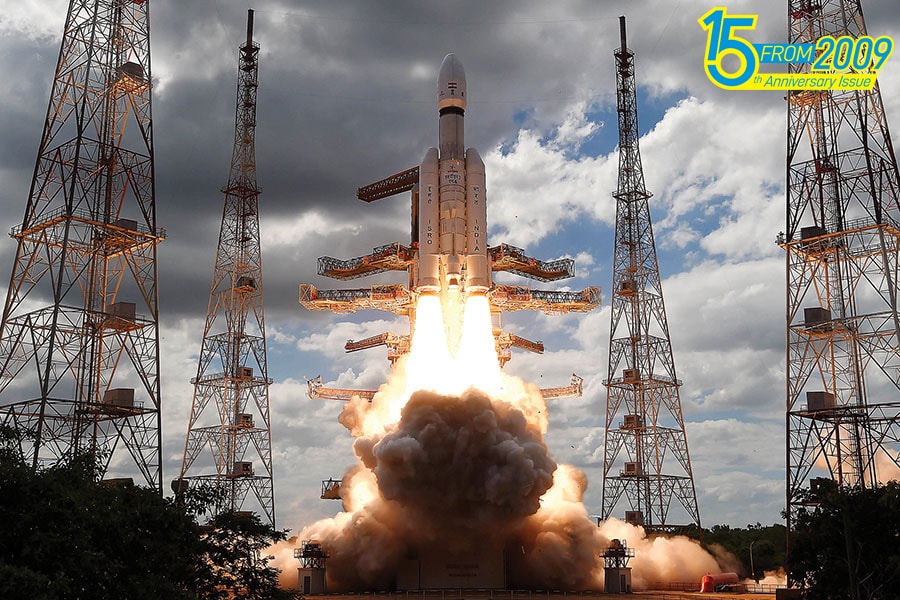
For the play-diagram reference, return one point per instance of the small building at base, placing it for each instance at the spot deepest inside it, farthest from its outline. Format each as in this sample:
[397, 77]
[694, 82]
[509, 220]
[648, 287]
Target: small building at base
[311, 573]
[616, 572]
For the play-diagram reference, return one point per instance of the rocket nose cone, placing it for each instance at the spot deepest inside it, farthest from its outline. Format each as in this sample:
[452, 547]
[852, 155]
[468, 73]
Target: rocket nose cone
[451, 89]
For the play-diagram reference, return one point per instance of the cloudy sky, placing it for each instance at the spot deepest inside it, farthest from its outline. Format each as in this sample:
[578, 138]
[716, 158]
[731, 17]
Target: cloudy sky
[347, 97]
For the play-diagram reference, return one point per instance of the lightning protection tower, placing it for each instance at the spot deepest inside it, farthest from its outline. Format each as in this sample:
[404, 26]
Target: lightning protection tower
[79, 338]
[230, 410]
[644, 424]
[841, 240]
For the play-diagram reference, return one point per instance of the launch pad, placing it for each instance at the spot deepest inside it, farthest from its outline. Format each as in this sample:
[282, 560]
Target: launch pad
[437, 568]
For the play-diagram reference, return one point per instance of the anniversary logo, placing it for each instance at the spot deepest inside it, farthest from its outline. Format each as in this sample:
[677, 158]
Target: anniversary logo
[825, 63]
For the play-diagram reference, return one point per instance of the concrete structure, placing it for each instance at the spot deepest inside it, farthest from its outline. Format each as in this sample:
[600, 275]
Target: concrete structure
[435, 567]
[311, 573]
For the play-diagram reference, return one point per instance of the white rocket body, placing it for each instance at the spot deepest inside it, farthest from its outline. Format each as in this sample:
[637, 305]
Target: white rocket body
[452, 199]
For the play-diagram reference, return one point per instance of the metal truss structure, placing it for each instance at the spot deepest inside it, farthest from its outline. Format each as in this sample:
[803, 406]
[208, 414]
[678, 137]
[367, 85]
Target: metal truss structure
[317, 389]
[393, 298]
[397, 257]
[518, 297]
[331, 489]
[398, 299]
[644, 422]
[398, 345]
[841, 244]
[507, 257]
[390, 257]
[395, 184]
[230, 419]
[311, 555]
[79, 337]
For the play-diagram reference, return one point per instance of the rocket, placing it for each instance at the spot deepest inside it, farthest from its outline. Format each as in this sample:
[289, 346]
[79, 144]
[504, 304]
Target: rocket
[452, 205]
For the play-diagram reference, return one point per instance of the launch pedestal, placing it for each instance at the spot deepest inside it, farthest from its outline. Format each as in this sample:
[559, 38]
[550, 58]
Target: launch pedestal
[439, 568]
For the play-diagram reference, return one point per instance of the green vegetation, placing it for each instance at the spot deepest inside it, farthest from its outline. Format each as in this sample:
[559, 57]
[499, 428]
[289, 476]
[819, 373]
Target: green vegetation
[846, 544]
[768, 544]
[66, 535]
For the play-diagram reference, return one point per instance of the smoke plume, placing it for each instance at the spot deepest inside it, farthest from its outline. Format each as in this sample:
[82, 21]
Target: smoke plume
[452, 457]
[473, 460]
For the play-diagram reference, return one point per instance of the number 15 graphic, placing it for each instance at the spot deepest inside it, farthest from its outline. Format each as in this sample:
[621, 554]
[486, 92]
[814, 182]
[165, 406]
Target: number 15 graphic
[722, 41]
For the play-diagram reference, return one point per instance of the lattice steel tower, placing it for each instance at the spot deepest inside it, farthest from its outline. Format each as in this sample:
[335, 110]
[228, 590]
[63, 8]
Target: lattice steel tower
[79, 338]
[230, 410]
[644, 424]
[841, 240]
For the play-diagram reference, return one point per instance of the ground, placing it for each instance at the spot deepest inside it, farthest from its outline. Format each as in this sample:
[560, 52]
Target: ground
[537, 595]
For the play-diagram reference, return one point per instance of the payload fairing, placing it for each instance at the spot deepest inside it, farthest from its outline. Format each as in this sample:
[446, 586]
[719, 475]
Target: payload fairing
[452, 198]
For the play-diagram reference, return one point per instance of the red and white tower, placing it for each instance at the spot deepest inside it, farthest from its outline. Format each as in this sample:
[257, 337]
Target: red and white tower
[79, 338]
[645, 455]
[229, 422]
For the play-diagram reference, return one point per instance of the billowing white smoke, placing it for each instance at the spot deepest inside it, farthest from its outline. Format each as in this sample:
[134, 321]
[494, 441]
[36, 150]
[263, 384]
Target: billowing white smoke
[451, 454]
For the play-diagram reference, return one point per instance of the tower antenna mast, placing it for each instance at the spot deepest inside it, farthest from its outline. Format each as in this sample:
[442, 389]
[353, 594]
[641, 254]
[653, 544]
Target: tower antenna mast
[842, 247]
[644, 423]
[230, 409]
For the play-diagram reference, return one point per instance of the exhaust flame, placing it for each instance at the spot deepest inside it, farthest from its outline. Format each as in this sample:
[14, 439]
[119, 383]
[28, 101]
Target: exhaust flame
[452, 456]
[434, 366]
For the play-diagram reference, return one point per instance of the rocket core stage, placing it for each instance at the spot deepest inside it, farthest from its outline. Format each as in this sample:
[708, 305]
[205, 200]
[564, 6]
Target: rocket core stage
[449, 254]
[452, 201]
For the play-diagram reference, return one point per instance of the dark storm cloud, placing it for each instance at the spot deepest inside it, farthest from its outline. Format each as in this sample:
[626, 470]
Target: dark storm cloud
[23, 105]
[346, 97]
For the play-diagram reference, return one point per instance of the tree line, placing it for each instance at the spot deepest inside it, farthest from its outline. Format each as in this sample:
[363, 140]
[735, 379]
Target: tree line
[66, 534]
[844, 543]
